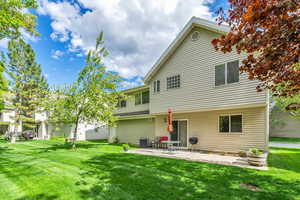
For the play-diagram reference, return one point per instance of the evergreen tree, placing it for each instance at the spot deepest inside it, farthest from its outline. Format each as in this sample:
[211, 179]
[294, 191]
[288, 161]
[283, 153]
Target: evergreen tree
[28, 85]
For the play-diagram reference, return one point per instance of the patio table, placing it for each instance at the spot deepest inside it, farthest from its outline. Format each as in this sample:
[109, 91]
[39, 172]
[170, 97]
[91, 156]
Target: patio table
[170, 144]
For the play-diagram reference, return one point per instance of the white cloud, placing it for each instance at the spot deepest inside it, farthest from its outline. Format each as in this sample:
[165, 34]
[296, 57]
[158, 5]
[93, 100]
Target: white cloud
[136, 31]
[57, 54]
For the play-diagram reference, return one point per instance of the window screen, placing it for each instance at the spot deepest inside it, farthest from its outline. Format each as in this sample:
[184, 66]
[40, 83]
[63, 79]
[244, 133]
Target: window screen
[138, 99]
[224, 124]
[145, 97]
[220, 75]
[236, 123]
[233, 72]
[156, 86]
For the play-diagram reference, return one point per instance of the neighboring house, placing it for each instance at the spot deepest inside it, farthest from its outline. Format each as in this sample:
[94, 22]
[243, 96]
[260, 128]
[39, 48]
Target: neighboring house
[282, 124]
[208, 96]
[45, 129]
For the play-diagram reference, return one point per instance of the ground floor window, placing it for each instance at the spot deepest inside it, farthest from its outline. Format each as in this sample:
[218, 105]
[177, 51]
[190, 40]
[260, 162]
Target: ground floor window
[231, 124]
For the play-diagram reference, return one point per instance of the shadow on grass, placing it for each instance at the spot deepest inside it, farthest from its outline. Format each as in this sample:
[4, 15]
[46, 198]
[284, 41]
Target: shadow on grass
[39, 197]
[67, 146]
[129, 176]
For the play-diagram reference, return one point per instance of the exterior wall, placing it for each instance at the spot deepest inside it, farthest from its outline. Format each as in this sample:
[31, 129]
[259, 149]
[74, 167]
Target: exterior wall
[195, 61]
[289, 128]
[130, 131]
[85, 131]
[204, 125]
[131, 107]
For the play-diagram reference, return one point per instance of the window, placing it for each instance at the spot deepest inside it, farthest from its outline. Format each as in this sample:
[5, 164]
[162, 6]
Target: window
[231, 124]
[145, 97]
[233, 72]
[121, 104]
[138, 98]
[142, 98]
[227, 73]
[173, 82]
[156, 86]
[220, 75]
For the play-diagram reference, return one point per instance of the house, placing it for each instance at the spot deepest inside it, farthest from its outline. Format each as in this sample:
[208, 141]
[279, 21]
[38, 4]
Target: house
[46, 129]
[210, 99]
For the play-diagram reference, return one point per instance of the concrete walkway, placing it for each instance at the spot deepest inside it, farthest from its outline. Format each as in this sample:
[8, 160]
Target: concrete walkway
[198, 157]
[289, 145]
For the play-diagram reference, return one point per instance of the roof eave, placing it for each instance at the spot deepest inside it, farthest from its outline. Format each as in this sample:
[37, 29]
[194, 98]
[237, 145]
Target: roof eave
[194, 22]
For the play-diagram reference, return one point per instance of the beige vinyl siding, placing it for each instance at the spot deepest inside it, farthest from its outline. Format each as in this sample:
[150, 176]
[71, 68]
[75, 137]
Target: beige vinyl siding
[131, 107]
[288, 127]
[195, 62]
[130, 131]
[204, 125]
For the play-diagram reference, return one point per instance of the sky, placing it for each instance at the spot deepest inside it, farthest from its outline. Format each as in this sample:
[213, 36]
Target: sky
[136, 32]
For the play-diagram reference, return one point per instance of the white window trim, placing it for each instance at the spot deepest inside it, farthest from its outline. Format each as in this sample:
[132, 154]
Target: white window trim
[155, 87]
[223, 115]
[226, 84]
[141, 96]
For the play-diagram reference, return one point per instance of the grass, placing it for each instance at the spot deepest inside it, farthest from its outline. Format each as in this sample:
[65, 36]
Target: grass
[285, 140]
[49, 170]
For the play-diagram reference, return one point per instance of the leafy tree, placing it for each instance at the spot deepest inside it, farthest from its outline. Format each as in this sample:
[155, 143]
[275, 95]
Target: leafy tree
[92, 97]
[289, 104]
[12, 18]
[28, 85]
[3, 81]
[269, 32]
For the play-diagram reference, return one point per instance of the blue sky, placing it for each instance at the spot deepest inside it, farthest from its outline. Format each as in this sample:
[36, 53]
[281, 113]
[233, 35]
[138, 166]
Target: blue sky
[136, 33]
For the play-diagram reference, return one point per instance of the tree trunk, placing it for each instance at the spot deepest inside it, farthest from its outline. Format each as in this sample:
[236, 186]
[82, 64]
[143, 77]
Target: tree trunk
[13, 134]
[75, 133]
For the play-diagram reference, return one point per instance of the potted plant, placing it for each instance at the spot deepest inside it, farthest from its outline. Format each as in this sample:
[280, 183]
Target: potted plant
[256, 157]
[125, 147]
[243, 154]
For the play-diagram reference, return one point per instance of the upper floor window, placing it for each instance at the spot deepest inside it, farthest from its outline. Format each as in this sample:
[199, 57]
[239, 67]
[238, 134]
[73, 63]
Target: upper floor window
[231, 124]
[121, 103]
[173, 82]
[156, 86]
[227, 73]
[142, 98]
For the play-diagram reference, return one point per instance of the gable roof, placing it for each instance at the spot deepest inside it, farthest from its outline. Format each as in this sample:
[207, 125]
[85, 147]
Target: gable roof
[194, 22]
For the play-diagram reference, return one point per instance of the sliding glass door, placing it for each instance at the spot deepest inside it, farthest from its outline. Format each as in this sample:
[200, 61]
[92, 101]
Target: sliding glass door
[180, 132]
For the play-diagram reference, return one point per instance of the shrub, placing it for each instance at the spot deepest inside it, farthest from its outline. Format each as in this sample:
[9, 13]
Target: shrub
[242, 153]
[255, 151]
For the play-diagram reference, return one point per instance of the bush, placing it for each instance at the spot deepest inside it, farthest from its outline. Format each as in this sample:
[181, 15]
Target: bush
[255, 151]
[242, 153]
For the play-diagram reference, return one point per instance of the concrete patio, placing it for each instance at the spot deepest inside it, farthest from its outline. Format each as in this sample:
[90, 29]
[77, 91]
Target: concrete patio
[199, 157]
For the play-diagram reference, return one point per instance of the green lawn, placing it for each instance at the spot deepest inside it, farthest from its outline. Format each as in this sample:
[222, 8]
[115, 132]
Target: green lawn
[285, 140]
[47, 170]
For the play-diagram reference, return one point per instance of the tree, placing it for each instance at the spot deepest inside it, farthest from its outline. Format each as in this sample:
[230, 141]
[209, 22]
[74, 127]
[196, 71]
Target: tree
[289, 104]
[92, 97]
[28, 85]
[3, 81]
[13, 18]
[269, 32]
